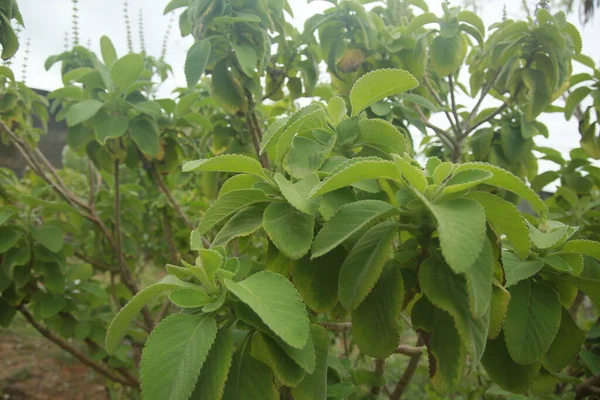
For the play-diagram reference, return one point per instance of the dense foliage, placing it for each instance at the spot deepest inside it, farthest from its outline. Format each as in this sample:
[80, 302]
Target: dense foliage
[306, 247]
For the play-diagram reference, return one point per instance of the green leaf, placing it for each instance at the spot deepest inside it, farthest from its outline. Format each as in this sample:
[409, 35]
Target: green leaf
[297, 193]
[273, 132]
[225, 90]
[363, 266]
[174, 354]
[377, 85]
[356, 170]
[580, 246]
[51, 304]
[463, 180]
[296, 162]
[290, 230]
[506, 180]
[241, 181]
[380, 135]
[498, 309]
[447, 54]
[236, 163]
[574, 99]
[175, 4]
[540, 94]
[336, 108]
[83, 111]
[347, 221]
[516, 270]
[228, 204]
[479, 281]
[275, 300]
[110, 126]
[188, 298]
[573, 32]
[50, 237]
[118, 326]
[314, 385]
[445, 347]
[413, 175]
[375, 321]
[471, 18]
[241, 224]
[421, 20]
[317, 280]
[551, 238]
[145, 135]
[213, 375]
[566, 346]
[249, 379]
[195, 62]
[8, 238]
[268, 351]
[247, 58]
[448, 292]
[7, 313]
[532, 320]
[504, 371]
[127, 70]
[506, 219]
[6, 214]
[109, 54]
[461, 227]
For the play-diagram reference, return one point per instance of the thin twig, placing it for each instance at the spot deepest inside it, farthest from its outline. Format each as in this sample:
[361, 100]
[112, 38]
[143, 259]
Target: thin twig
[100, 368]
[98, 264]
[483, 121]
[336, 326]
[484, 92]
[379, 370]
[440, 103]
[171, 199]
[587, 387]
[447, 139]
[408, 373]
[453, 103]
[407, 350]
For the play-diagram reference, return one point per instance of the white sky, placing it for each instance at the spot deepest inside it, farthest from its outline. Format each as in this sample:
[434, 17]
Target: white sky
[48, 20]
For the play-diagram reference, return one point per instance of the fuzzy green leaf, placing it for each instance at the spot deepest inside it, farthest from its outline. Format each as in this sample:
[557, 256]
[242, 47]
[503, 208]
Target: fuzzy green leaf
[109, 54]
[265, 349]
[215, 369]
[448, 292]
[314, 385]
[226, 91]
[498, 309]
[463, 180]
[413, 174]
[275, 300]
[118, 327]
[445, 347]
[566, 346]
[290, 230]
[297, 193]
[504, 371]
[363, 266]
[375, 320]
[377, 85]
[241, 224]
[516, 270]
[240, 181]
[229, 204]
[381, 135]
[236, 163]
[532, 320]
[347, 221]
[188, 298]
[506, 219]
[356, 170]
[586, 247]
[336, 108]
[83, 111]
[50, 237]
[249, 379]
[461, 227]
[195, 62]
[110, 126]
[506, 180]
[174, 354]
[479, 281]
[447, 54]
[127, 70]
[145, 135]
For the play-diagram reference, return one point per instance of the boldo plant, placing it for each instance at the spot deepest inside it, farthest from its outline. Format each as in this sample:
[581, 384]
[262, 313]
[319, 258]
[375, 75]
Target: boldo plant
[320, 251]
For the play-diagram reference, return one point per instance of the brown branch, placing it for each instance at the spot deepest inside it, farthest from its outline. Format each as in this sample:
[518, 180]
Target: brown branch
[98, 264]
[440, 103]
[588, 387]
[483, 121]
[68, 347]
[408, 374]
[484, 92]
[446, 138]
[118, 246]
[124, 372]
[453, 103]
[379, 370]
[337, 326]
[171, 199]
[409, 350]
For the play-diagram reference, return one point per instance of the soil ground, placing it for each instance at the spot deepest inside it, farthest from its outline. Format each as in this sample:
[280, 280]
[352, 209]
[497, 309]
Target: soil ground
[32, 368]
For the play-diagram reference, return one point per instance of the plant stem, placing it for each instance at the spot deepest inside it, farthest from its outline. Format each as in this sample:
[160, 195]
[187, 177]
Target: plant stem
[337, 326]
[163, 188]
[408, 374]
[409, 350]
[379, 370]
[453, 104]
[68, 347]
[588, 387]
[440, 103]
